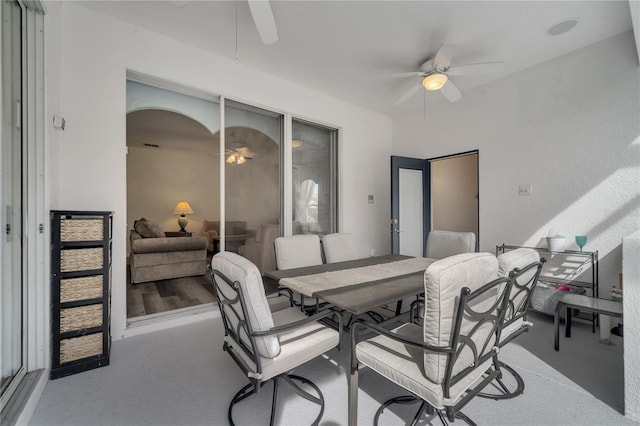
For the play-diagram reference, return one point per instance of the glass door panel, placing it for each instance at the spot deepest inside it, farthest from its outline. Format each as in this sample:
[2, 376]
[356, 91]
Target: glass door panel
[253, 153]
[11, 295]
[314, 178]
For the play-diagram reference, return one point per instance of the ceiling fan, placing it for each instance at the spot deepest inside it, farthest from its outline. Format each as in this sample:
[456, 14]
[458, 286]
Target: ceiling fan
[435, 72]
[239, 155]
[264, 20]
[260, 12]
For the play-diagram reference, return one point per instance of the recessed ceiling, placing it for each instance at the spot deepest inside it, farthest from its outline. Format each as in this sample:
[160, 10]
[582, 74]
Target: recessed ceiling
[159, 129]
[347, 48]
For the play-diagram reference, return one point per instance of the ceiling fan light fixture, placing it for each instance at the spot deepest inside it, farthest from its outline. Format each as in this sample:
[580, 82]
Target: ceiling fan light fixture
[240, 159]
[231, 158]
[434, 81]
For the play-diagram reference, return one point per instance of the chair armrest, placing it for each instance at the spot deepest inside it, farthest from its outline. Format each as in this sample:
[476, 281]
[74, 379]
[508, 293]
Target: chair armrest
[290, 326]
[391, 335]
[211, 233]
[300, 323]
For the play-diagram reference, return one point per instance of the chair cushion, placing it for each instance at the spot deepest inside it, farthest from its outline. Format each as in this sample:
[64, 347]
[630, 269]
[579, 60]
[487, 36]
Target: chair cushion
[297, 346]
[237, 268]
[518, 258]
[297, 251]
[402, 364]
[441, 244]
[339, 247]
[443, 281]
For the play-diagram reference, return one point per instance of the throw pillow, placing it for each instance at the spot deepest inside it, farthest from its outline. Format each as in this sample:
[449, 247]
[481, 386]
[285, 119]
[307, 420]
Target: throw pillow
[147, 229]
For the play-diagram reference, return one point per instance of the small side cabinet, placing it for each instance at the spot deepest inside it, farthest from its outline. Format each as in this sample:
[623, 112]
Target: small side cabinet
[80, 290]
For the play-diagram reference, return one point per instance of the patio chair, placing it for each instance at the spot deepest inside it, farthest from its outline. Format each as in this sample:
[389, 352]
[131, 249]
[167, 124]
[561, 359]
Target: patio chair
[441, 244]
[523, 267]
[266, 346]
[299, 251]
[446, 360]
[339, 247]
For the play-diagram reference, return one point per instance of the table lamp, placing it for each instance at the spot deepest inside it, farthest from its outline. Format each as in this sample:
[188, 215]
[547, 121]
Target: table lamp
[183, 208]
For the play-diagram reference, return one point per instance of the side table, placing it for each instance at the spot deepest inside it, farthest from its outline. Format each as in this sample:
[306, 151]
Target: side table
[586, 303]
[178, 234]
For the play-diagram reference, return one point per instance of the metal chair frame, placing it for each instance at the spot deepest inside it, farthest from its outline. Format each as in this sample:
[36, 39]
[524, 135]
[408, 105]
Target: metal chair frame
[243, 326]
[458, 342]
[513, 314]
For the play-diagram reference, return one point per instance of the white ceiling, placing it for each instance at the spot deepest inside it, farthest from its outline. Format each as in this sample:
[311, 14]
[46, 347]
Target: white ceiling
[347, 48]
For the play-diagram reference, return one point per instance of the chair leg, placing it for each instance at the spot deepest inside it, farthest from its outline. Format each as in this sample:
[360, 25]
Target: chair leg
[274, 401]
[407, 399]
[291, 379]
[504, 392]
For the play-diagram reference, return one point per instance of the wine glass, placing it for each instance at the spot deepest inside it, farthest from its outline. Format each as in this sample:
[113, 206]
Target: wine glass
[581, 240]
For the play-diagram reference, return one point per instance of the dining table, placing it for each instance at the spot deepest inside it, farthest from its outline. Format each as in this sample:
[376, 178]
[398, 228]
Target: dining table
[356, 286]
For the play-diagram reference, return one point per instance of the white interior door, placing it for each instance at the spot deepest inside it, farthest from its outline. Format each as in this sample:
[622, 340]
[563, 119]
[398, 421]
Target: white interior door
[411, 211]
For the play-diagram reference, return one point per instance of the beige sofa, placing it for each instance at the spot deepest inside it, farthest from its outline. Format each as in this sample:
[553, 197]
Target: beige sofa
[161, 258]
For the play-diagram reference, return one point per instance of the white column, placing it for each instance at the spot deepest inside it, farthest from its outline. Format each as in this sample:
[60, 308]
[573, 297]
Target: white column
[631, 302]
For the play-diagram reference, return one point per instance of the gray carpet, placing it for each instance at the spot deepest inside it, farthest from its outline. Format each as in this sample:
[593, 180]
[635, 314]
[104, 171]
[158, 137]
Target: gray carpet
[181, 376]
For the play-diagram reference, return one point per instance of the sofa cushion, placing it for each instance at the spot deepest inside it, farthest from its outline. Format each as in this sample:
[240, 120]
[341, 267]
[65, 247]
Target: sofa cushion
[147, 229]
[166, 244]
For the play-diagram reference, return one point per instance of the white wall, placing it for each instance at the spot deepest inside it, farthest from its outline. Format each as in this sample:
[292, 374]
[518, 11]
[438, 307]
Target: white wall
[569, 127]
[90, 171]
[158, 178]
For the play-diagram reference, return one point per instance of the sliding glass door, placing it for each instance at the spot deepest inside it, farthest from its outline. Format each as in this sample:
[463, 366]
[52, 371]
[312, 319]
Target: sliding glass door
[253, 201]
[12, 307]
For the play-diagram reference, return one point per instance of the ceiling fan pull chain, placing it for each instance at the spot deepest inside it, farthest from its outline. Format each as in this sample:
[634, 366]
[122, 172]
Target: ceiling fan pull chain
[237, 56]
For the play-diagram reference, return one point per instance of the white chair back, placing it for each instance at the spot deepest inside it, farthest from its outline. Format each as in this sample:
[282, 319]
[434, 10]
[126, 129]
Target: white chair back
[527, 261]
[339, 247]
[443, 281]
[298, 251]
[441, 244]
[258, 315]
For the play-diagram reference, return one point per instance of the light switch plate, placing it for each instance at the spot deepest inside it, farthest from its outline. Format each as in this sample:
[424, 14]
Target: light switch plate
[525, 189]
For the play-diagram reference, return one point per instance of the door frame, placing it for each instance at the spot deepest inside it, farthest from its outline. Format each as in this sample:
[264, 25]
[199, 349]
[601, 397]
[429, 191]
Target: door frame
[446, 157]
[397, 163]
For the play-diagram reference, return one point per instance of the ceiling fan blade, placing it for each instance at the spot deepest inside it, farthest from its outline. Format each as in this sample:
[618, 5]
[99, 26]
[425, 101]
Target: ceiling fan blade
[264, 20]
[451, 92]
[481, 68]
[406, 74]
[444, 55]
[245, 152]
[404, 98]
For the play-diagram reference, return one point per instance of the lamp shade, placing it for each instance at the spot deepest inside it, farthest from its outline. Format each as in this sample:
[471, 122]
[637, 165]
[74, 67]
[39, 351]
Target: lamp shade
[183, 208]
[434, 81]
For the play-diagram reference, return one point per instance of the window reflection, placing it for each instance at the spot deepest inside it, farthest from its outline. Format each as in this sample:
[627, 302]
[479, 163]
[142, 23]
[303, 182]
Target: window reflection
[314, 178]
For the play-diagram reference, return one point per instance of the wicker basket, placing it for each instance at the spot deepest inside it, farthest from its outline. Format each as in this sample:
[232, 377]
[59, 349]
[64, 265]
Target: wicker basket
[80, 347]
[83, 288]
[81, 259]
[81, 317]
[81, 229]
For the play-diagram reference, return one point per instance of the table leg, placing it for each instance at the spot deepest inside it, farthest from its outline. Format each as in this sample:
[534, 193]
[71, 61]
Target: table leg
[567, 323]
[353, 398]
[556, 327]
[605, 329]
